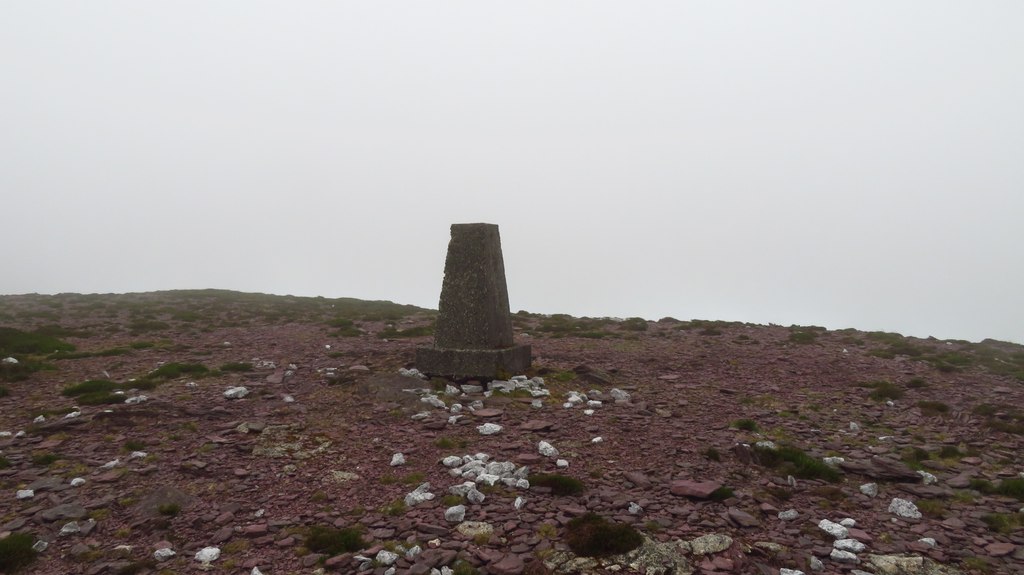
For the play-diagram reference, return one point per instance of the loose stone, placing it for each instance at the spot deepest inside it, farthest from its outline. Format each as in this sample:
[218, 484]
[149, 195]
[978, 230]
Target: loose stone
[208, 554]
[904, 508]
[455, 514]
[851, 545]
[489, 429]
[834, 529]
[840, 556]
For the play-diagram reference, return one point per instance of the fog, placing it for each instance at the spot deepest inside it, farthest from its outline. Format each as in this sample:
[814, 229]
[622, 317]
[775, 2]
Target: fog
[844, 164]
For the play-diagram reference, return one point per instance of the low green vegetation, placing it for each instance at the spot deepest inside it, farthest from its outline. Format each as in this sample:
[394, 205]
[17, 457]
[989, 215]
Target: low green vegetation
[333, 541]
[594, 536]
[147, 325]
[563, 325]
[721, 494]
[14, 342]
[711, 454]
[917, 383]
[4, 392]
[134, 445]
[408, 479]
[558, 483]
[885, 390]
[789, 460]
[1007, 487]
[950, 452]
[931, 408]
[1003, 522]
[1004, 418]
[169, 509]
[395, 508]
[16, 552]
[27, 347]
[344, 327]
[463, 568]
[745, 424]
[633, 324]
[44, 458]
[175, 370]
[96, 392]
[934, 508]
[114, 351]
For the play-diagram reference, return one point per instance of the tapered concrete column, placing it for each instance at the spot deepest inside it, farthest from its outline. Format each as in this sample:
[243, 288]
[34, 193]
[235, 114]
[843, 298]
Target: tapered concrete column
[473, 337]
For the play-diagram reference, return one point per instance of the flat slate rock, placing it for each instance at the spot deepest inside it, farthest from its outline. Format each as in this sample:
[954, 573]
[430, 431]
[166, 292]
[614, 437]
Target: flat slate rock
[695, 489]
[536, 425]
[488, 412]
[64, 511]
[882, 468]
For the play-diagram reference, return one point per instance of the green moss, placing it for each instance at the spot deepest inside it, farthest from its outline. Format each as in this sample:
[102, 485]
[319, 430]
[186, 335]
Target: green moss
[712, 454]
[558, 483]
[594, 536]
[333, 541]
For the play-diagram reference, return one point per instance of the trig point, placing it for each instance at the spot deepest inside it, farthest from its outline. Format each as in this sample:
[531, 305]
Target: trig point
[473, 337]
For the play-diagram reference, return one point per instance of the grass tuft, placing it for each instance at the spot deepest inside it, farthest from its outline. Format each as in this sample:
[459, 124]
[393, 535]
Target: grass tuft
[558, 483]
[792, 461]
[594, 536]
[176, 370]
[16, 552]
[931, 408]
[885, 390]
[745, 424]
[333, 541]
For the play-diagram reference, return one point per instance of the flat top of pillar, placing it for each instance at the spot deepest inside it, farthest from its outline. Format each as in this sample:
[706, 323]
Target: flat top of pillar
[477, 225]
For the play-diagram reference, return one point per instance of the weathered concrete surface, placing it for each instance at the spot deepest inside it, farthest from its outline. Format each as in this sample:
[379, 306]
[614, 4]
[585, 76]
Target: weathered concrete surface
[473, 336]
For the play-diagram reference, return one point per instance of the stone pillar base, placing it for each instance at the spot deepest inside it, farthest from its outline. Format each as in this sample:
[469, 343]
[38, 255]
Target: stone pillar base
[474, 363]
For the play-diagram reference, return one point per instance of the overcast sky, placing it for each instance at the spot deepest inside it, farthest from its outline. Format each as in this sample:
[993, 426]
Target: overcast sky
[846, 164]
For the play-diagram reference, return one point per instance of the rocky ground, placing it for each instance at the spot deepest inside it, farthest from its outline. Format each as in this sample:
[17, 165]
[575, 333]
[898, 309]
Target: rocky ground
[730, 448]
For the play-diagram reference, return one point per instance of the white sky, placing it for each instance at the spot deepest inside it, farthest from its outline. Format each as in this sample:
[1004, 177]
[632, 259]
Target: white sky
[847, 164]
